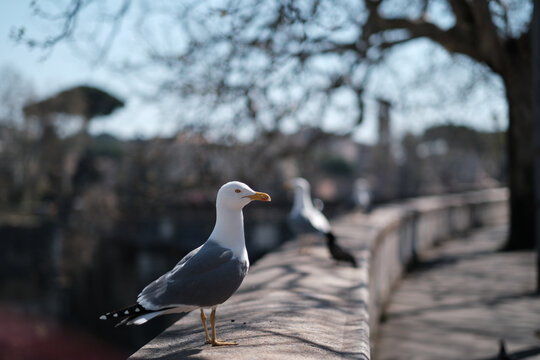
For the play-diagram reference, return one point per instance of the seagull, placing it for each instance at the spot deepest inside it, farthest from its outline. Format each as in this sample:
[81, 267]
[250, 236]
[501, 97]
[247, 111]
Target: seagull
[304, 218]
[362, 196]
[205, 277]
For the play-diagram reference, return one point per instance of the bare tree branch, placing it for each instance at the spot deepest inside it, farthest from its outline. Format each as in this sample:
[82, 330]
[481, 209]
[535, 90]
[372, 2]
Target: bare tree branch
[474, 33]
[69, 19]
[69, 24]
[240, 56]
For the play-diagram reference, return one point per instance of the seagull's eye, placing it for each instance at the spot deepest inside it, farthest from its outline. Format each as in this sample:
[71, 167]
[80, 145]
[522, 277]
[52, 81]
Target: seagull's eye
[237, 190]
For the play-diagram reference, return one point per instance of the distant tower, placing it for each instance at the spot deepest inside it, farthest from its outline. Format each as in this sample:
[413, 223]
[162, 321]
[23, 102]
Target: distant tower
[384, 122]
[383, 162]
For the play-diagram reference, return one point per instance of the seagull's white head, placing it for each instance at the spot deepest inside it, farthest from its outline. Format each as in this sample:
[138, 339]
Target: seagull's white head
[235, 195]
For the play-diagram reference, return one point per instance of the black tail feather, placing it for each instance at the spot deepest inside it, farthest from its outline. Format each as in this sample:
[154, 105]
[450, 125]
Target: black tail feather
[503, 355]
[125, 314]
[337, 252]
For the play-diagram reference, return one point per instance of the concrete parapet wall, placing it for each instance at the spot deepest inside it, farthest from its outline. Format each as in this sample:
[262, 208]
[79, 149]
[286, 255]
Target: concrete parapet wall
[302, 305]
[406, 229]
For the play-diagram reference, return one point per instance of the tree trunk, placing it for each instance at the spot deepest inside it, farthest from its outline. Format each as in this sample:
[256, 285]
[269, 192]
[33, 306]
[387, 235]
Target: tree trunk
[536, 124]
[517, 79]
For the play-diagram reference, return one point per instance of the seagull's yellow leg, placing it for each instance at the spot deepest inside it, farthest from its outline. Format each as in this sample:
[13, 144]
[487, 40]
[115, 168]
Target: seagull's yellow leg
[203, 319]
[215, 341]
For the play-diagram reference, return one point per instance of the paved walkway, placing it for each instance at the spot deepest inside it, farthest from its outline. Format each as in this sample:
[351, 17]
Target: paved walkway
[461, 299]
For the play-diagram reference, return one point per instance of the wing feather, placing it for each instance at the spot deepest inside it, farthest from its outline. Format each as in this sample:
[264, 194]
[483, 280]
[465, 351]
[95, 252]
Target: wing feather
[207, 276]
[308, 222]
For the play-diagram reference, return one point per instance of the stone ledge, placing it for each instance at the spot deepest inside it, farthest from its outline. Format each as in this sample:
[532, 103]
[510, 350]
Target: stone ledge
[290, 305]
[305, 306]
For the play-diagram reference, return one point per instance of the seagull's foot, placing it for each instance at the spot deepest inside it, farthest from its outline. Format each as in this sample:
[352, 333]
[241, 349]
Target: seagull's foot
[208, 341]
[223, 343]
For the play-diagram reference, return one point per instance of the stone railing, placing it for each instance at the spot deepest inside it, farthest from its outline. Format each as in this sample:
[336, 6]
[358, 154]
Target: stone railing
[299, 304]
[403, 230]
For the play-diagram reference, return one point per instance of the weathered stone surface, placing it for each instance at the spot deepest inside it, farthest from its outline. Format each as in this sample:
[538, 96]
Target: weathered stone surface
[291, 305]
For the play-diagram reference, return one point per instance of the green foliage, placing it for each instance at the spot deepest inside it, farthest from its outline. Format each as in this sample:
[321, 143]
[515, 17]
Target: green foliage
[335, 165]
[466, 138]
[107, 146]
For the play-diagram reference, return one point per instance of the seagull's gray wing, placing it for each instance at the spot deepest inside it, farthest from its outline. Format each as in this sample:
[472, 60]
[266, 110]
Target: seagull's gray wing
[308, 222]
[300, 224]
[205, 277]
[319, 221]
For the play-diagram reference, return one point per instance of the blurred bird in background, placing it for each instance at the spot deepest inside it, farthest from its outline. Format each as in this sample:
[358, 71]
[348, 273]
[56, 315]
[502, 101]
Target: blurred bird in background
[305, 218]
[362, 196]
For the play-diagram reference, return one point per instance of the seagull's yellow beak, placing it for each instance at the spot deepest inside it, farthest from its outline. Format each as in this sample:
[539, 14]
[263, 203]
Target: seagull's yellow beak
[259, 196]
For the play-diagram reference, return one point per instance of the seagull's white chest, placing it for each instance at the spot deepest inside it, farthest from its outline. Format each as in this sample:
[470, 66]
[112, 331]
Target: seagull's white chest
[229, 233]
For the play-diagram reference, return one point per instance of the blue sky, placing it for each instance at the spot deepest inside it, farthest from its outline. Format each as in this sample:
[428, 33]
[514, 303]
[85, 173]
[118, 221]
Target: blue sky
[64, 68]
